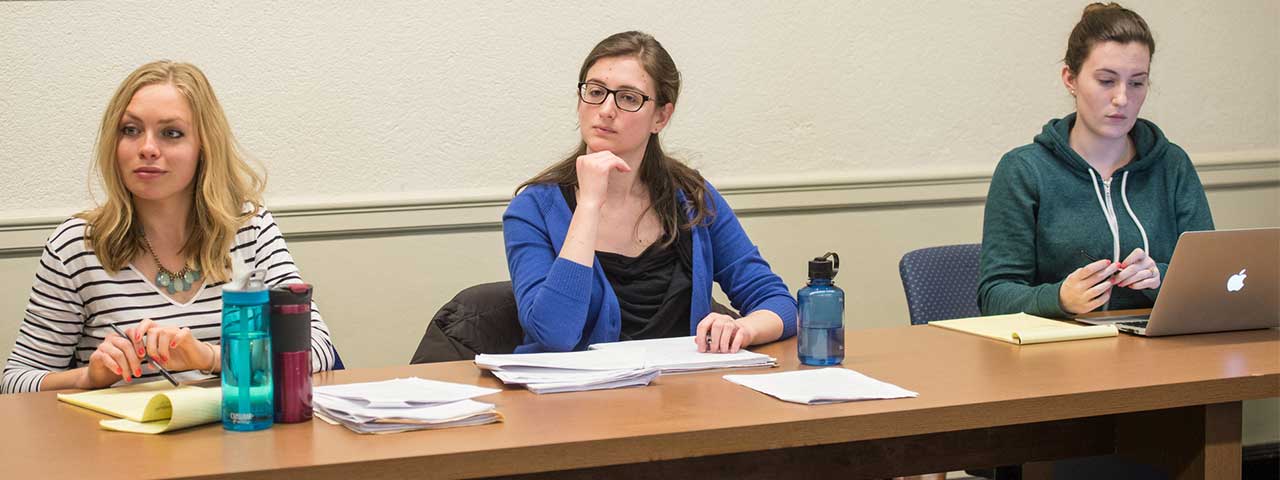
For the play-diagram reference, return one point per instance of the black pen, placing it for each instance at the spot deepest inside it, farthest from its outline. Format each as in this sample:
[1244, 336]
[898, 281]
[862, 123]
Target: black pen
[167, 376]
[1092, 259]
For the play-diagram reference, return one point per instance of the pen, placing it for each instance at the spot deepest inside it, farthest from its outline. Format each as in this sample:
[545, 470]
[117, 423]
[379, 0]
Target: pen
[1092, 259]
[710, 341]
[1088, 257]
[167, 376]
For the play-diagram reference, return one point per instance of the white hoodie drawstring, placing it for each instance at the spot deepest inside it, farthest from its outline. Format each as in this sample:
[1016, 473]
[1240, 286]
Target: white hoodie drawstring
[1109, 212]
[1124, 180]
[1110, 215]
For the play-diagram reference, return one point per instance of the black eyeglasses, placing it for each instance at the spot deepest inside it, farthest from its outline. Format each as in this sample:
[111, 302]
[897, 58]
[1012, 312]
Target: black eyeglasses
[626, 100]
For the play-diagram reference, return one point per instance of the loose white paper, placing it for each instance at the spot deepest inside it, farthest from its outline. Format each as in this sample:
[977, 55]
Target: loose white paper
[826, 385]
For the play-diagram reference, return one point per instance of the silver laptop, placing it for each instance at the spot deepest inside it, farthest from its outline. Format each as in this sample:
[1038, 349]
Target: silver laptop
[1217, 281]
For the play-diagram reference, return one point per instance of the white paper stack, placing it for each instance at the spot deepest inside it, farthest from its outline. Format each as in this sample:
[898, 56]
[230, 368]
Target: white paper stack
[570, 371]
[403, 404]
[680, 355]
[827, 385]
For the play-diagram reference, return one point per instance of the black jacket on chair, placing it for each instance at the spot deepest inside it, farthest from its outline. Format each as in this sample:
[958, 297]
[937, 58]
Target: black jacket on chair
[482, 319]
[479, 319]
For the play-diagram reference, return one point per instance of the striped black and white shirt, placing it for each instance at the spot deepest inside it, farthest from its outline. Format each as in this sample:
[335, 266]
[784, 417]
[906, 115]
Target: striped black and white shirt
[73, 299]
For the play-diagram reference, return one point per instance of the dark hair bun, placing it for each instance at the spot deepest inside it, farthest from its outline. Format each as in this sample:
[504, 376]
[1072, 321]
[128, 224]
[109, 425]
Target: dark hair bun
[1097, 7]
[1105, 22]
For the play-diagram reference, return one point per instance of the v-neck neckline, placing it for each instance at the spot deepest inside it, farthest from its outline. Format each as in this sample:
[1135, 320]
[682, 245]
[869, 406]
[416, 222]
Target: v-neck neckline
[203, 283]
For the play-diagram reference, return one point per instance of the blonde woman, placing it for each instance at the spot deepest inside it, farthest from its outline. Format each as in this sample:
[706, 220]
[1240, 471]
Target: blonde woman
[181, 206]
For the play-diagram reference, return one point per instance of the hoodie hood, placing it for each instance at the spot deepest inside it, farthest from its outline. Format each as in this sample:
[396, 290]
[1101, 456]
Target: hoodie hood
[1148, 140]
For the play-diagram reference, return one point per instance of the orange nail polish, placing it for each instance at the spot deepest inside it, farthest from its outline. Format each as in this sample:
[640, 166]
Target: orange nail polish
[137, 372]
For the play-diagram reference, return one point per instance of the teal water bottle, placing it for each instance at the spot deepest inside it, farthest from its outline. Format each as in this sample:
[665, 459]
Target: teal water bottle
[821, 314]
[246, 353]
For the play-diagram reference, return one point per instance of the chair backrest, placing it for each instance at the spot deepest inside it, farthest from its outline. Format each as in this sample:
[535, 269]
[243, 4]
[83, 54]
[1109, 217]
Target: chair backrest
[479, 319]
[941, 283]
[337, 360]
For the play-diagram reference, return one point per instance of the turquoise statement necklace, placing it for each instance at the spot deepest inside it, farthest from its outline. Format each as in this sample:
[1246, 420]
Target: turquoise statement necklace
[173, 282]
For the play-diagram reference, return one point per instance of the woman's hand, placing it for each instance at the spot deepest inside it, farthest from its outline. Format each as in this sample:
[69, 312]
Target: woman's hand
[115, 358]
[1138, 271]
[172, 347]
[1087, 288]
[593, 176]
[720, 333]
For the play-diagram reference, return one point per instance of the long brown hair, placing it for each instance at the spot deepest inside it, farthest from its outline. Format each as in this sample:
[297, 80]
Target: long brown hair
[660, 173]
[1102, 23]
[227, 191]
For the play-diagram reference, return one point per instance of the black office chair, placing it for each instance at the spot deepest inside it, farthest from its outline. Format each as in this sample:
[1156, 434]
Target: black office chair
[479, 319]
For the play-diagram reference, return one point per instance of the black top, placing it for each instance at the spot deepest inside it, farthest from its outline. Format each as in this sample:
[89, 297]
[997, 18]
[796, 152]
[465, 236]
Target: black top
[653, 289]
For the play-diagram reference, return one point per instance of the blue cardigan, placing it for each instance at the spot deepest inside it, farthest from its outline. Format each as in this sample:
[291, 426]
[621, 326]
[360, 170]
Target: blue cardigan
[566, 306]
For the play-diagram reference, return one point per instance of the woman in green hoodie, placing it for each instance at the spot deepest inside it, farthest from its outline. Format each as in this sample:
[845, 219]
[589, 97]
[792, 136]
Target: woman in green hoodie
[1086, 216]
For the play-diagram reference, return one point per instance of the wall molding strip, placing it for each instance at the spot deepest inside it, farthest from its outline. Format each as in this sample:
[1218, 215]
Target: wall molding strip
[320, 221]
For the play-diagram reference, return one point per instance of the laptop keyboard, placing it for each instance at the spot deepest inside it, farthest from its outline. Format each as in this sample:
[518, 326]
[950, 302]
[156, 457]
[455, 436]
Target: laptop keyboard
[1136, 324]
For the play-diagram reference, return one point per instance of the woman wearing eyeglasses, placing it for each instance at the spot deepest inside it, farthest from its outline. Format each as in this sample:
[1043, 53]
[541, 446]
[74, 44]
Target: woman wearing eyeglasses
[619, 241]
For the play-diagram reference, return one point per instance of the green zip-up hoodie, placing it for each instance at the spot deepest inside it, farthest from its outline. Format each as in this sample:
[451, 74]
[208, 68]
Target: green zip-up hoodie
[1047, 206]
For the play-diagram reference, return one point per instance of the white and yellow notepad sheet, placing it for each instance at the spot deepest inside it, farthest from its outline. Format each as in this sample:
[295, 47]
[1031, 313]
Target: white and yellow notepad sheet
[153, 407]
[1026, 329]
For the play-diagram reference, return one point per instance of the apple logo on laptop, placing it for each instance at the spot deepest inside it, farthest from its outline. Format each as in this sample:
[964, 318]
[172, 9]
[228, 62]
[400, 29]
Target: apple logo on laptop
[1236, 282]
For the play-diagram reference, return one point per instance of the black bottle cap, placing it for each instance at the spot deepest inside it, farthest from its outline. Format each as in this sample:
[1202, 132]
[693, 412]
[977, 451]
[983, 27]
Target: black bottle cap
[291, 294]
[291, 318]
[825, 266]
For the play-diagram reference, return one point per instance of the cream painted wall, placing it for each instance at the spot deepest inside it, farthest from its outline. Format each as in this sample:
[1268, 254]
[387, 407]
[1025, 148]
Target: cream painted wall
[408, 99]
[411, 103]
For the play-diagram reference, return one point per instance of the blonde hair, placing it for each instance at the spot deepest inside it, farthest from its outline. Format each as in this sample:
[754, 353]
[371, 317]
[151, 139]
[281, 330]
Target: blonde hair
[224, 183]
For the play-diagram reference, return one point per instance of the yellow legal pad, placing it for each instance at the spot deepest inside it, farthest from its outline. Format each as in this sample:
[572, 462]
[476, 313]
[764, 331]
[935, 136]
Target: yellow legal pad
[153, 407]
[1026, 329]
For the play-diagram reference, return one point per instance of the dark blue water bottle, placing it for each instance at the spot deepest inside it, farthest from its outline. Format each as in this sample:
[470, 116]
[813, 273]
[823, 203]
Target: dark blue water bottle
[821, 315]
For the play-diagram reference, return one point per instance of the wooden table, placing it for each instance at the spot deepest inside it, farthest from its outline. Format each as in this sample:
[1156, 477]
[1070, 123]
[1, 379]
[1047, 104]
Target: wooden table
[1173, 402]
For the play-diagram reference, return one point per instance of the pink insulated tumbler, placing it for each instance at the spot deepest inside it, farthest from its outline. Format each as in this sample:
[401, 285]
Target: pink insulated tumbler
[291, 345]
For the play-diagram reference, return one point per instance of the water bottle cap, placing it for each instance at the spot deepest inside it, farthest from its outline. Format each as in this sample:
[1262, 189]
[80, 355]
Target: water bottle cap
[244, 279]
[291, 318]
[825, 266]
[292, 294]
